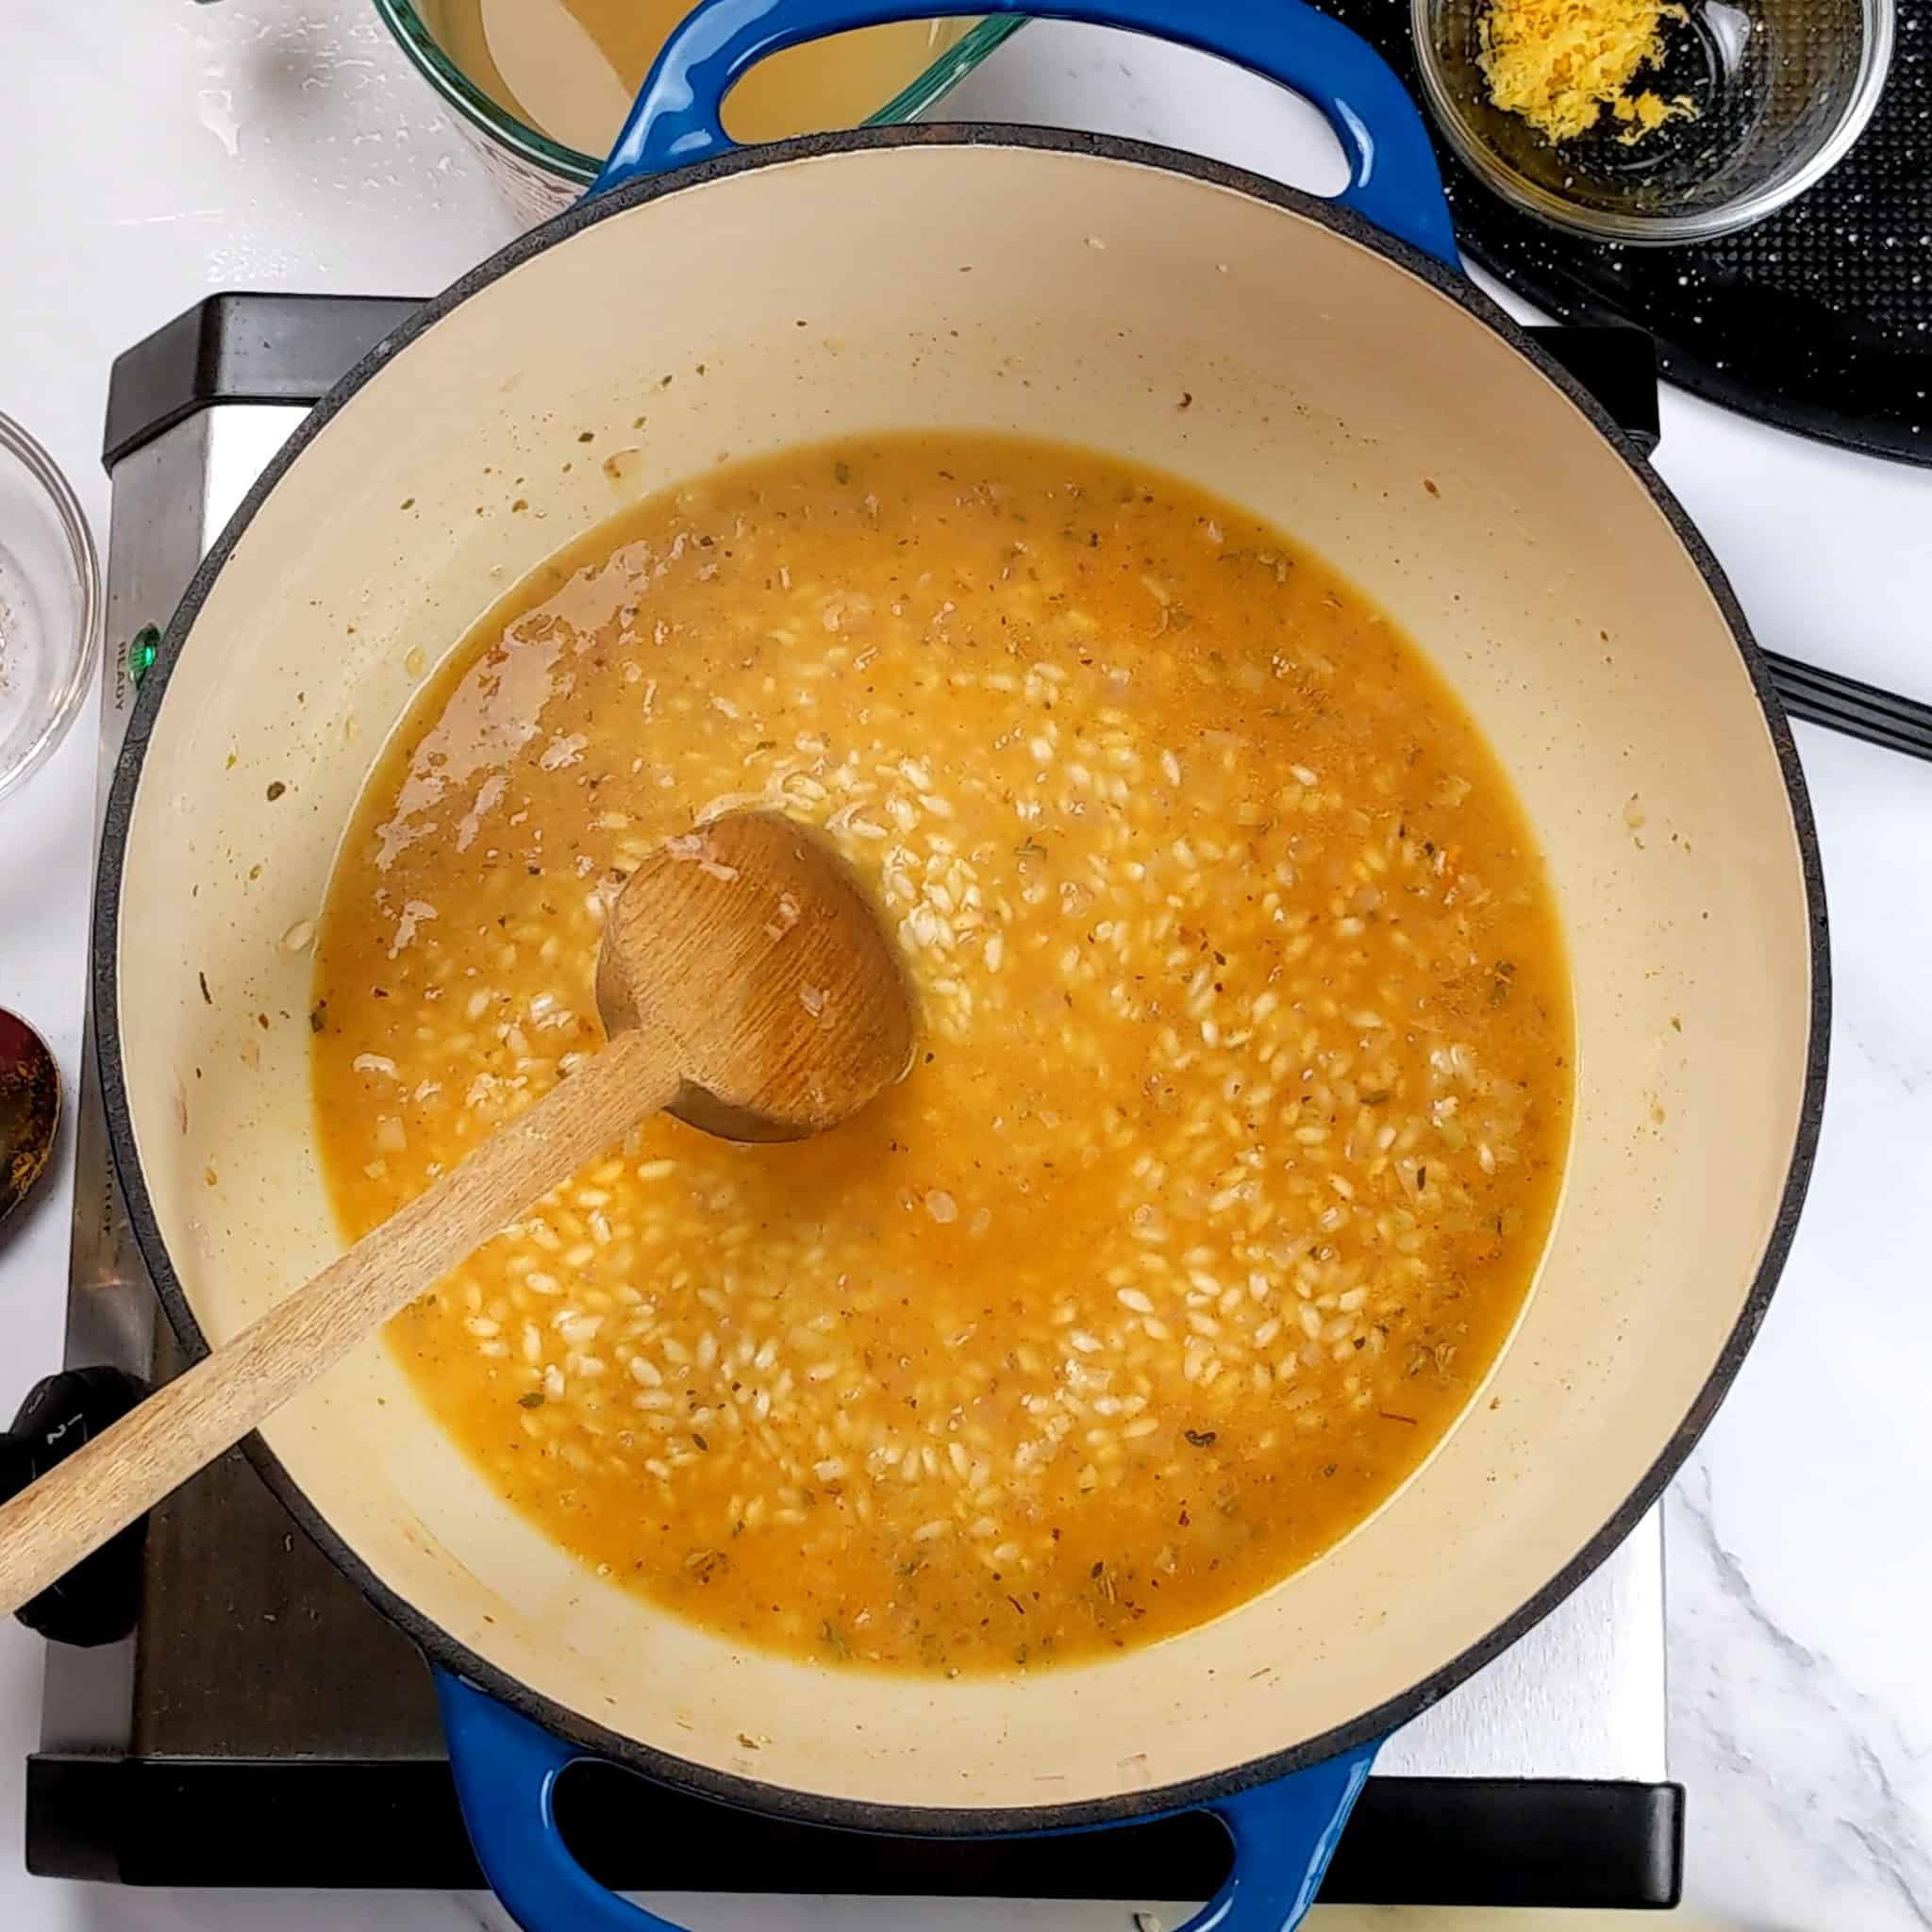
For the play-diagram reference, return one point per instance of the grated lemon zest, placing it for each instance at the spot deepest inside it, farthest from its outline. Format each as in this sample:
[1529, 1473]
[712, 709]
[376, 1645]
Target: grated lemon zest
[1558, 64]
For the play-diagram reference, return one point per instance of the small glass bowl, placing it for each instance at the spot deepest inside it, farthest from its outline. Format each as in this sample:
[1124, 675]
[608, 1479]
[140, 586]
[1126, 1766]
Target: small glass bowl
[50, 605]
[1782, 88]
[540, 176]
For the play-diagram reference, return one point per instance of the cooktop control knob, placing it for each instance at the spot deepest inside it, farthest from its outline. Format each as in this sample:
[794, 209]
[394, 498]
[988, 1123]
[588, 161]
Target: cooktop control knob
[96, 1601]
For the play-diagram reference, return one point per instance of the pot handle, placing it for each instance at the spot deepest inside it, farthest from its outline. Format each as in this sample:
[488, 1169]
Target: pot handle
[1394, 180]
[506, 1771]
[1284, 1834]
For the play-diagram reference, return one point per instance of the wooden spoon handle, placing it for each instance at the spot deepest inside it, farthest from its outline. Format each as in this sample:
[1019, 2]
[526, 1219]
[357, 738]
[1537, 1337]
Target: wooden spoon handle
[156, 1446]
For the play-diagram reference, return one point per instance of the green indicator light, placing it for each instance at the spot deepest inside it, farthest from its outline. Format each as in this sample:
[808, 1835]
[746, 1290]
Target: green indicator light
[143, 649]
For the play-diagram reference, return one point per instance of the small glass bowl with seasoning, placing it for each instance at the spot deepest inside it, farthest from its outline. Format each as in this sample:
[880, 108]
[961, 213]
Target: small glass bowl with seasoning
[542, 87]
[1652, 121]
[50, 605]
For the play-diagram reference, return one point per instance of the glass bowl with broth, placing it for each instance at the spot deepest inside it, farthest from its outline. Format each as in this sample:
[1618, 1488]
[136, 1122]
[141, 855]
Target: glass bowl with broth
[542, 86]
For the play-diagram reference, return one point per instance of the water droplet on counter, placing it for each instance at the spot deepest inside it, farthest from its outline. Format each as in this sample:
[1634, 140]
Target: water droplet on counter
[217, 109]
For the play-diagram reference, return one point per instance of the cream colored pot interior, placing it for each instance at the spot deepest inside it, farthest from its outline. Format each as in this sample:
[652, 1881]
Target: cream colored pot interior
[1076, 297]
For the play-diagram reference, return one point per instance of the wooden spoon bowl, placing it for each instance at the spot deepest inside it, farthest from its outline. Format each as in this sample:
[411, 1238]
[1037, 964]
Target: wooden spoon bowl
[753, 959]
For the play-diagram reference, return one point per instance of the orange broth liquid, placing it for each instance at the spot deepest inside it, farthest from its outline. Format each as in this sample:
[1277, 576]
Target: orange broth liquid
[1242, 1091]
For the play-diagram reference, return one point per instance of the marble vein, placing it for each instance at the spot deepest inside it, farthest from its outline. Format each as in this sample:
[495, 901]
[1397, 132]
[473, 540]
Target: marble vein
[1804, 1783]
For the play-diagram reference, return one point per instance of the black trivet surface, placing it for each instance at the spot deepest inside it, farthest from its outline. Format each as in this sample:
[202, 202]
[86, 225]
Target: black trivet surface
[1818, 320]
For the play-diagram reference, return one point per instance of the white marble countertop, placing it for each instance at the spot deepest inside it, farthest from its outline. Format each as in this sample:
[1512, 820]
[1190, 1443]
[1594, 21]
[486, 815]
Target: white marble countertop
[155, 151]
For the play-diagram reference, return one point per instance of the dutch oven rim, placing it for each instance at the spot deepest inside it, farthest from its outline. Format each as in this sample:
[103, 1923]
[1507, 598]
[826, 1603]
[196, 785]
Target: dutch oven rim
[785, 1800]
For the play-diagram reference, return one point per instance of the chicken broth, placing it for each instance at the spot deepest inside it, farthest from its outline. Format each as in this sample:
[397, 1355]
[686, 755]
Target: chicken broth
[1243, 1078]
[573, 67]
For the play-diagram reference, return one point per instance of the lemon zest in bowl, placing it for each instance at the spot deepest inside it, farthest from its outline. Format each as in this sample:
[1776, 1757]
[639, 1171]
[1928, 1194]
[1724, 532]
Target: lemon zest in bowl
[1558, 64]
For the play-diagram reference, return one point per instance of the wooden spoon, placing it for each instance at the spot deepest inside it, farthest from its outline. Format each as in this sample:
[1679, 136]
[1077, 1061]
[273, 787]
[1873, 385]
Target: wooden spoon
[745, 986]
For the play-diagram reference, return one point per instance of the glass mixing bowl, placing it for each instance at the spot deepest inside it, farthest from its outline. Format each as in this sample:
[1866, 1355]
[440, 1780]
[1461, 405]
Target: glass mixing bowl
[50, 605]
[541, 176]
[1782, 88]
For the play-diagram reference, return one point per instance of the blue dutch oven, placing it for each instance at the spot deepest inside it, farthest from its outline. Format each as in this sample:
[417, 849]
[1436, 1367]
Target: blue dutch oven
[1342, 378]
